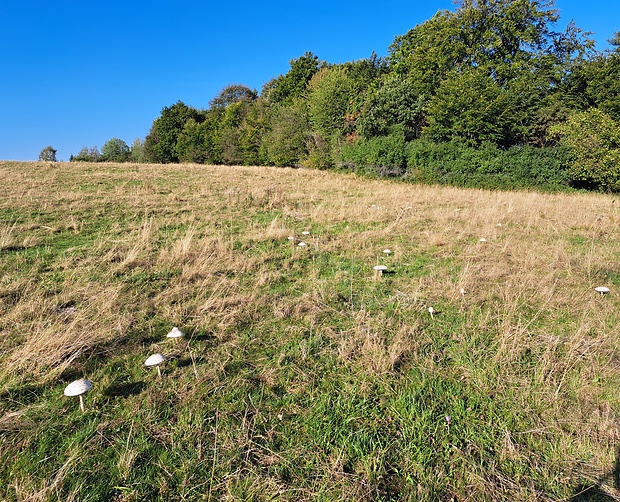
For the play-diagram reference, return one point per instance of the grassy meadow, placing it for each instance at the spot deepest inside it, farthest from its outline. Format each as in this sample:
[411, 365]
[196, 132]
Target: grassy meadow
[303, 375]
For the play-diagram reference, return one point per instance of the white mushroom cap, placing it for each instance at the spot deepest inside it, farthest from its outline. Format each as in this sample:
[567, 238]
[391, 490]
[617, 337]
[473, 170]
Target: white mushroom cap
[431, 310]
[381, 268]
[175, 333]
[291, 238]
[483, 239]
[78, 387]
[462, 291]
[154, 360]
[387, 251]
[301, 244]
[305, 232]
[602, 289]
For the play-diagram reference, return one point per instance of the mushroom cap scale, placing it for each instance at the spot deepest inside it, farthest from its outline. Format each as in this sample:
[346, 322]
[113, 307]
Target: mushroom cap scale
[175, 333]
[154, 360]
[78, 387]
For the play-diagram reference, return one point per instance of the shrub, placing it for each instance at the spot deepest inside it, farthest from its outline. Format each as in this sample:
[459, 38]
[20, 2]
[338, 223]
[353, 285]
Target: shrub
[383, 155]
[593, 138]
[488, 166]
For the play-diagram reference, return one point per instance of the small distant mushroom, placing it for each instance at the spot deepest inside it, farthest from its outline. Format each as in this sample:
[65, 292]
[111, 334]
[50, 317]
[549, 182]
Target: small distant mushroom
[379, 269]
[302, 244]
[462, 291]
[482, 239]
[431, 311]
[78, 388]
[175, 333]
[305, 232]
[387, 252]
[602, 290]
[499, 224]
[155, 360]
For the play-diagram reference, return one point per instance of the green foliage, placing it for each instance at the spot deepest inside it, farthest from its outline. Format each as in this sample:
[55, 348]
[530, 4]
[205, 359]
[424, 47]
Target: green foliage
[382, 155]
[471, 107]
[251, 132]
[87, 154]
[48, 154]
[453, 163]
[594, 140]
[161, 142]
[115, 150]
[488, 68]
[330, 93]
[292, 85]
[197, 142]
[137, 151]
[231, 94]
[498, 35]
[428, 52]
[597, 83]
[366, 71]
[393, 101]
[488, 74]
[319, 154]
[285, 143]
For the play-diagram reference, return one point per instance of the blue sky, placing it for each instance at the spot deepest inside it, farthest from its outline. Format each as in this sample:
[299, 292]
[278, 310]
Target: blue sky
[77, 73]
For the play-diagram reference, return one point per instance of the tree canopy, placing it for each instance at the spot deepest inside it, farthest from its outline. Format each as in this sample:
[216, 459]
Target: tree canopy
[487, 74]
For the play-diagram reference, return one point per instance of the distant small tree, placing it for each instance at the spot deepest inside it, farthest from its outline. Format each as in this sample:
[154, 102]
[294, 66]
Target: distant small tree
[137, 151]
[115, 150]
[87, 155]
[48, 154]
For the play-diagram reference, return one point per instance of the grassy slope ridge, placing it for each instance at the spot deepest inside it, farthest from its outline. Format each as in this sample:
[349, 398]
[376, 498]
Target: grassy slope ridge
[303, 376]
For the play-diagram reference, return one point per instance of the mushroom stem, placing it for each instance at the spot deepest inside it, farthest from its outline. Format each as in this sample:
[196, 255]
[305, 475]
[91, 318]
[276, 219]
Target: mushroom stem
[159, 371]
[82, 403]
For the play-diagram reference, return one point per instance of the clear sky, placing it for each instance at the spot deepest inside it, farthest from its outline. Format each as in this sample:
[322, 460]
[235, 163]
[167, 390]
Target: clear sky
[77, 73]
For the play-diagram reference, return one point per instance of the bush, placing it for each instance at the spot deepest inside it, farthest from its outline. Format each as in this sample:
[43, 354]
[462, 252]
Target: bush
[593, 138]
[488, 166]
[383, 156]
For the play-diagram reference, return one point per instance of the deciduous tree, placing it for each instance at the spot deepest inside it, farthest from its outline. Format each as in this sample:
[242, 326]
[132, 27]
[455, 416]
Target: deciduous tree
[48, 154]
[115, 150]
[161, 142]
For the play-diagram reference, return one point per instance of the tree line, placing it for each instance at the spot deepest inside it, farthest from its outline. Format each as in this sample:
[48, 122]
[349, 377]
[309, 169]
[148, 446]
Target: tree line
[487, 94]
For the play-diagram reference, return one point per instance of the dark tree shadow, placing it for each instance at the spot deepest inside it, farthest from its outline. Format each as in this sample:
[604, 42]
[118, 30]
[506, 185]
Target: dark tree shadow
[606, 488]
